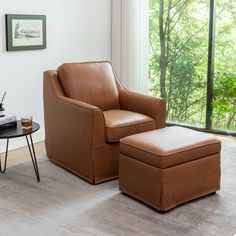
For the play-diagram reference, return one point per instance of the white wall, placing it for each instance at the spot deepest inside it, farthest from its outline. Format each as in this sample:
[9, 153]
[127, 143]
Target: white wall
[77, 30]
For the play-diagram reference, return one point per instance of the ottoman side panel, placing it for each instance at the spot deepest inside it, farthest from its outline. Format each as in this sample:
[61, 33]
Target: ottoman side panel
[190, 180]
[140, 180]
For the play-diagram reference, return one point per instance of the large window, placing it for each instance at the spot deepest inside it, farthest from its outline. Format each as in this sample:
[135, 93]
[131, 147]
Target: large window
[224, 103]
[180, 60]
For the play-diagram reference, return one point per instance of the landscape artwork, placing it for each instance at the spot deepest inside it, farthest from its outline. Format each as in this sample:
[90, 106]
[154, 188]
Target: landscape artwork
[25, 32]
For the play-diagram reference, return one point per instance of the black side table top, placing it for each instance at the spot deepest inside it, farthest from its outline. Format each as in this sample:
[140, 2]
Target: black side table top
[18, 131]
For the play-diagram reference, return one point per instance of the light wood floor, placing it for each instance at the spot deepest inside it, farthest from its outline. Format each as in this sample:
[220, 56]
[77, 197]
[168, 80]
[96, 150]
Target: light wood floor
[21, 155]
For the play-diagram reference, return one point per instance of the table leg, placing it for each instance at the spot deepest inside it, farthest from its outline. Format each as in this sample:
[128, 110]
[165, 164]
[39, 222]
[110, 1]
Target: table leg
[33, 156]
[5, 160]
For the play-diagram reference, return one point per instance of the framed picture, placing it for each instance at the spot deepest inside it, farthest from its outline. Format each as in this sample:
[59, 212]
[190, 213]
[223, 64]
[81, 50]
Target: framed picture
[25, 32]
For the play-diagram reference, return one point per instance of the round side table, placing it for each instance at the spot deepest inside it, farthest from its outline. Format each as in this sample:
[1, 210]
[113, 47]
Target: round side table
[17, 132]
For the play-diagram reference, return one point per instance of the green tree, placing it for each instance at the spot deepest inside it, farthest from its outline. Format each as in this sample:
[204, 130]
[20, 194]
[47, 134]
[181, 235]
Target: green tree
[224, 104]
[178, 60]
[178, 38]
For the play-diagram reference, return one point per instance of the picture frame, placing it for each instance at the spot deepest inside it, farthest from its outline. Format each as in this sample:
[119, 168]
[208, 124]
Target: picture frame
[25, 32]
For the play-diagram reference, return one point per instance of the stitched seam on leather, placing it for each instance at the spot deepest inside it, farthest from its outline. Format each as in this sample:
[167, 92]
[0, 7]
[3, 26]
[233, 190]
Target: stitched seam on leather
[143, 161]
[130, 124]
[52, 78]
[115, 140]
[93, 159]
[168, 167]
[60, 97]
[66, 84]
[63, 98]
[75, 104]
[162, 198]
[173, 153]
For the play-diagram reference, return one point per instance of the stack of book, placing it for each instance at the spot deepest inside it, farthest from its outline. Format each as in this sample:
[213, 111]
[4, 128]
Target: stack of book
[8, 121]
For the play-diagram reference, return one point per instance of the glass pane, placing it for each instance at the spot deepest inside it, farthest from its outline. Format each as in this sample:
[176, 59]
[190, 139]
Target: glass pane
[178, 57]
[224, 104]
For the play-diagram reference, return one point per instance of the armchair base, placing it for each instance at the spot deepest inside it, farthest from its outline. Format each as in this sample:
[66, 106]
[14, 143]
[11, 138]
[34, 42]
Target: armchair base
[105, 164]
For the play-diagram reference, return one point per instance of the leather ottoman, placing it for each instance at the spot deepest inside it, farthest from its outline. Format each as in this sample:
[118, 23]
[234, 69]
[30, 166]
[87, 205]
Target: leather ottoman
[169, 166]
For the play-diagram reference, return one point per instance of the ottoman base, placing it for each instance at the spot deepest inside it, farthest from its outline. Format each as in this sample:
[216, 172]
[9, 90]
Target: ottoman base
[166, 188]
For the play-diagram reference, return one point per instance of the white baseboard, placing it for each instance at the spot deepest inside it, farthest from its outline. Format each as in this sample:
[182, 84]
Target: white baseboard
[21, 142]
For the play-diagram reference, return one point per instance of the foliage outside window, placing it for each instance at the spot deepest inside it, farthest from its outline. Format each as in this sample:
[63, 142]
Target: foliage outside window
[179, 56]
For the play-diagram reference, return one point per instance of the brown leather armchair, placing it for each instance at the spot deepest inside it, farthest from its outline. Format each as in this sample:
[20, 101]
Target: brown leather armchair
[87, 111]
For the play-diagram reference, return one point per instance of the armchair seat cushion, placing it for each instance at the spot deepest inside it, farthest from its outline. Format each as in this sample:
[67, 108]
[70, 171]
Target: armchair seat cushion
[122, 123]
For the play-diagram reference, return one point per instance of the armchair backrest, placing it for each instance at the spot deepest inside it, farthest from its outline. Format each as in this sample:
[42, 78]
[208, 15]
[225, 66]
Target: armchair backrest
[92, 82]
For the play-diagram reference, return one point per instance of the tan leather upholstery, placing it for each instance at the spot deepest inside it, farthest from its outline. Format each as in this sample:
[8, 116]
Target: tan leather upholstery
[78, 121]
[153, 107]
[169, 146]
[93, 83]
[169, 166]
[121, 123]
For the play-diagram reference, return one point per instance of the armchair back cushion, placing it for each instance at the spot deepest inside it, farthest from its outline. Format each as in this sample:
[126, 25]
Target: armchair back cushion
[93, 83]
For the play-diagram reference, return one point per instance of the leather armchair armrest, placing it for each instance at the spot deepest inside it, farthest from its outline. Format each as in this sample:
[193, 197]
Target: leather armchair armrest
[76, 122]
[155, 107]
[88, 118]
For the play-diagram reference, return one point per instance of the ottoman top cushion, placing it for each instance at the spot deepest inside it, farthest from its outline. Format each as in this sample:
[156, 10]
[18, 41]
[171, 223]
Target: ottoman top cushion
[169, 146]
